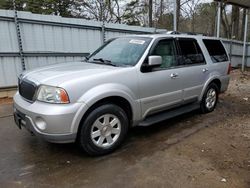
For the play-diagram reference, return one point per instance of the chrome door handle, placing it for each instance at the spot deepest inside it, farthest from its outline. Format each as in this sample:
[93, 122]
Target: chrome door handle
[174, 75]
[204, 70]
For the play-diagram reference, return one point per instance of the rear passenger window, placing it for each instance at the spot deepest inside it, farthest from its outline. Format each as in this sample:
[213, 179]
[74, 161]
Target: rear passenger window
[191, 52]
[216, 50]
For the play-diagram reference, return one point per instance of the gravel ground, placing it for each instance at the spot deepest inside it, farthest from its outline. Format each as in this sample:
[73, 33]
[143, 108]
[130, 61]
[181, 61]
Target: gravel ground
[193, 150]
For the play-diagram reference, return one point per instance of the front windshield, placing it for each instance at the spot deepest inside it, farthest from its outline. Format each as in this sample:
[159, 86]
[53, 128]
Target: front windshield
[125, 51]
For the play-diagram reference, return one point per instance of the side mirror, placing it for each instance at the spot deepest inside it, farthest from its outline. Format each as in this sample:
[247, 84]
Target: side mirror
[154, 60]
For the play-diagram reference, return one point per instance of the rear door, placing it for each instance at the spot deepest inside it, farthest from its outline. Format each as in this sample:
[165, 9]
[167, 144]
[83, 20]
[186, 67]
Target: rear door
[219, 61]
[194, 71]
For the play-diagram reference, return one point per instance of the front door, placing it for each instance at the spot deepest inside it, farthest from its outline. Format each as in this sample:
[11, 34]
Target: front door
[161, 87]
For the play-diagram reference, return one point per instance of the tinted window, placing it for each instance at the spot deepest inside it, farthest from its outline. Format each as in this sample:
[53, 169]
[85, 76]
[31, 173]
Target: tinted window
[216, 50]
[165, 49]
[191, 52]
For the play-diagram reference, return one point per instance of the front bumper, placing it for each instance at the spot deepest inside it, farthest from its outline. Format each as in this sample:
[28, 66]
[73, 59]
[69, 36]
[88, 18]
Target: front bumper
[52, 122]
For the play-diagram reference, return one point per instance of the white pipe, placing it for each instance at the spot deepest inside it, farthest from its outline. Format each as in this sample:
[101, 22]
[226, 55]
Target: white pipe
[245, 42]
[218, 19]
[175, 16]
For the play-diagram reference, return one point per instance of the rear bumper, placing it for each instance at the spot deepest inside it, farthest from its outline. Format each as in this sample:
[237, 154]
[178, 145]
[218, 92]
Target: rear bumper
[51, 122]
[224, 83]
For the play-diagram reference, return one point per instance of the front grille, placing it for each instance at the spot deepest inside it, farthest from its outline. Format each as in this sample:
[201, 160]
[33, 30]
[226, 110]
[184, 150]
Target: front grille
[27, 89]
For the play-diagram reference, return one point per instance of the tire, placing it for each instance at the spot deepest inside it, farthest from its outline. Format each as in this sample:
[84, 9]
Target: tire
[103, 130]
[210, 98]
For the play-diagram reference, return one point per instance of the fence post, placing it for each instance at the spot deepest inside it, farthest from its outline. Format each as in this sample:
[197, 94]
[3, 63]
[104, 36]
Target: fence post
[103, 33]
[19, 39]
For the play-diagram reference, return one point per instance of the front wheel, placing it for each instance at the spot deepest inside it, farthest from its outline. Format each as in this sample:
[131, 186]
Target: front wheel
[210, 98]
[103, 130]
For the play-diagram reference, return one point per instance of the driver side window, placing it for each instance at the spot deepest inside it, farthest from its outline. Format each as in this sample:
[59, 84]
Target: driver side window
[166, 49]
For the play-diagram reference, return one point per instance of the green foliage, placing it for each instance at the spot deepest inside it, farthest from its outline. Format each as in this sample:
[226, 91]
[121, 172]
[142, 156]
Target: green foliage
[134, 12]
[55, 7]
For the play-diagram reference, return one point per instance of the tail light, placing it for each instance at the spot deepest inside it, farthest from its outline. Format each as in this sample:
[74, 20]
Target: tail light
[229, 68]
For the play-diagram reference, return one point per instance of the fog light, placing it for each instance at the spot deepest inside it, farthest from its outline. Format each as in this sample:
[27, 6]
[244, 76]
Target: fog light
[40, 123]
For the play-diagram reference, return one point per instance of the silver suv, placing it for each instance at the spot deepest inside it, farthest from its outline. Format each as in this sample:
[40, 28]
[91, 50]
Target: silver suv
[129, 81]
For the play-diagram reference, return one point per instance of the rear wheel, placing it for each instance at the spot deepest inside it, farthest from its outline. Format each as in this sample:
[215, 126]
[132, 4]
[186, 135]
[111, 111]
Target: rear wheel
[103, 130]
[210, 98]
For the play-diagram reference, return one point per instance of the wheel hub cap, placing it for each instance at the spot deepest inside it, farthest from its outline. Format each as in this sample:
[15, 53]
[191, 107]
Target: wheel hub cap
[211, 98]
[106, 130]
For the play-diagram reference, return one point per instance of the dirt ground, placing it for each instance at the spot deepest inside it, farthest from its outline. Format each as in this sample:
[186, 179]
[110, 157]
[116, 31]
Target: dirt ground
[191, 151]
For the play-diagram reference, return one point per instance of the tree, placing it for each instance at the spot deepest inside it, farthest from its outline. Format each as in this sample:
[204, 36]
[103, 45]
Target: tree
[243, 23]
[150, 13]
[235, 23]
[206, 13]
[178, 13]
[135, 13]
[190, 10]
[56, 7]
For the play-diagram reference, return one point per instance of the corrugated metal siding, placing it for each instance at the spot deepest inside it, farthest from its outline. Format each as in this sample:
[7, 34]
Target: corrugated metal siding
[50, 35]
[237, 51]
[10, 67]
[60, 40]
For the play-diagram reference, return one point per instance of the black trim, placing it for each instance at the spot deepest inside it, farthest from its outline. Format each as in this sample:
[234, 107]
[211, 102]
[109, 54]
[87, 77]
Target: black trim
[27, 89]
[168, 114]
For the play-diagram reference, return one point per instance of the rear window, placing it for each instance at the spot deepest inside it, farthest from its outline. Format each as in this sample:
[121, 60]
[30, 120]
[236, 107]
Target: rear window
[191, 51]
[216, 50]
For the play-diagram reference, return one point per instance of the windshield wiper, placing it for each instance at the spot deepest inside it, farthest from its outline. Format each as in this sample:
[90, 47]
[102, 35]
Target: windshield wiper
[105, 61]
[86, 59]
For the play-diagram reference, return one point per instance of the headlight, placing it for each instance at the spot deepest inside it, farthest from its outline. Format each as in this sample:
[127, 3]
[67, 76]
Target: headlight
[52, 94]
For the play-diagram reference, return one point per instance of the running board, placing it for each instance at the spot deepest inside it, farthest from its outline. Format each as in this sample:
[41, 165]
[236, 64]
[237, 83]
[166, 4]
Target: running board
[168, 114]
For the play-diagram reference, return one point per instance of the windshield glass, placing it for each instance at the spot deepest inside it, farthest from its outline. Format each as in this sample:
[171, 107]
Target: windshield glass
[124, 51]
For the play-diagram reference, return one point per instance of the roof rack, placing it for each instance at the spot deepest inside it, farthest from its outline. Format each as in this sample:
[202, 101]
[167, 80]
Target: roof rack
[184, 33]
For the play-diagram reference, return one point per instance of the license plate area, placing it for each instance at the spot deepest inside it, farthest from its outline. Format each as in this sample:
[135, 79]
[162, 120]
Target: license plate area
[19, 119]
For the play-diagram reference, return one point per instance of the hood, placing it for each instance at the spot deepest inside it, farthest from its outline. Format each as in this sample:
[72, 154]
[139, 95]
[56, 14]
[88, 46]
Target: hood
[59, 73]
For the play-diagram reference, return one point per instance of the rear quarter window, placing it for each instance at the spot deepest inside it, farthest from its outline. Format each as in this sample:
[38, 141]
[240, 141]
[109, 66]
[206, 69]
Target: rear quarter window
[216, 50]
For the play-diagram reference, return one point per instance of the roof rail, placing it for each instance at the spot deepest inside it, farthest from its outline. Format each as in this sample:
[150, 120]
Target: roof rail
[184, 33]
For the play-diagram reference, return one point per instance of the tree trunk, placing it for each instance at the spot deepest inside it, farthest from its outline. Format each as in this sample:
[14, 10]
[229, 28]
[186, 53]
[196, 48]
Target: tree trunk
[225, 23]
[235, 21]
[178, 8]
[150, 13]
[243, 24]
[161, 12]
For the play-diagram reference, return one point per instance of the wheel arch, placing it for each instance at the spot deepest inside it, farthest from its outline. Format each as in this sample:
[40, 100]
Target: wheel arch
[215, 80]
[117, 100]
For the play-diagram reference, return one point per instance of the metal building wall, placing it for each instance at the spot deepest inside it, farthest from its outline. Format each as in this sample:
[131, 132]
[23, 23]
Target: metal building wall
[50, 39]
